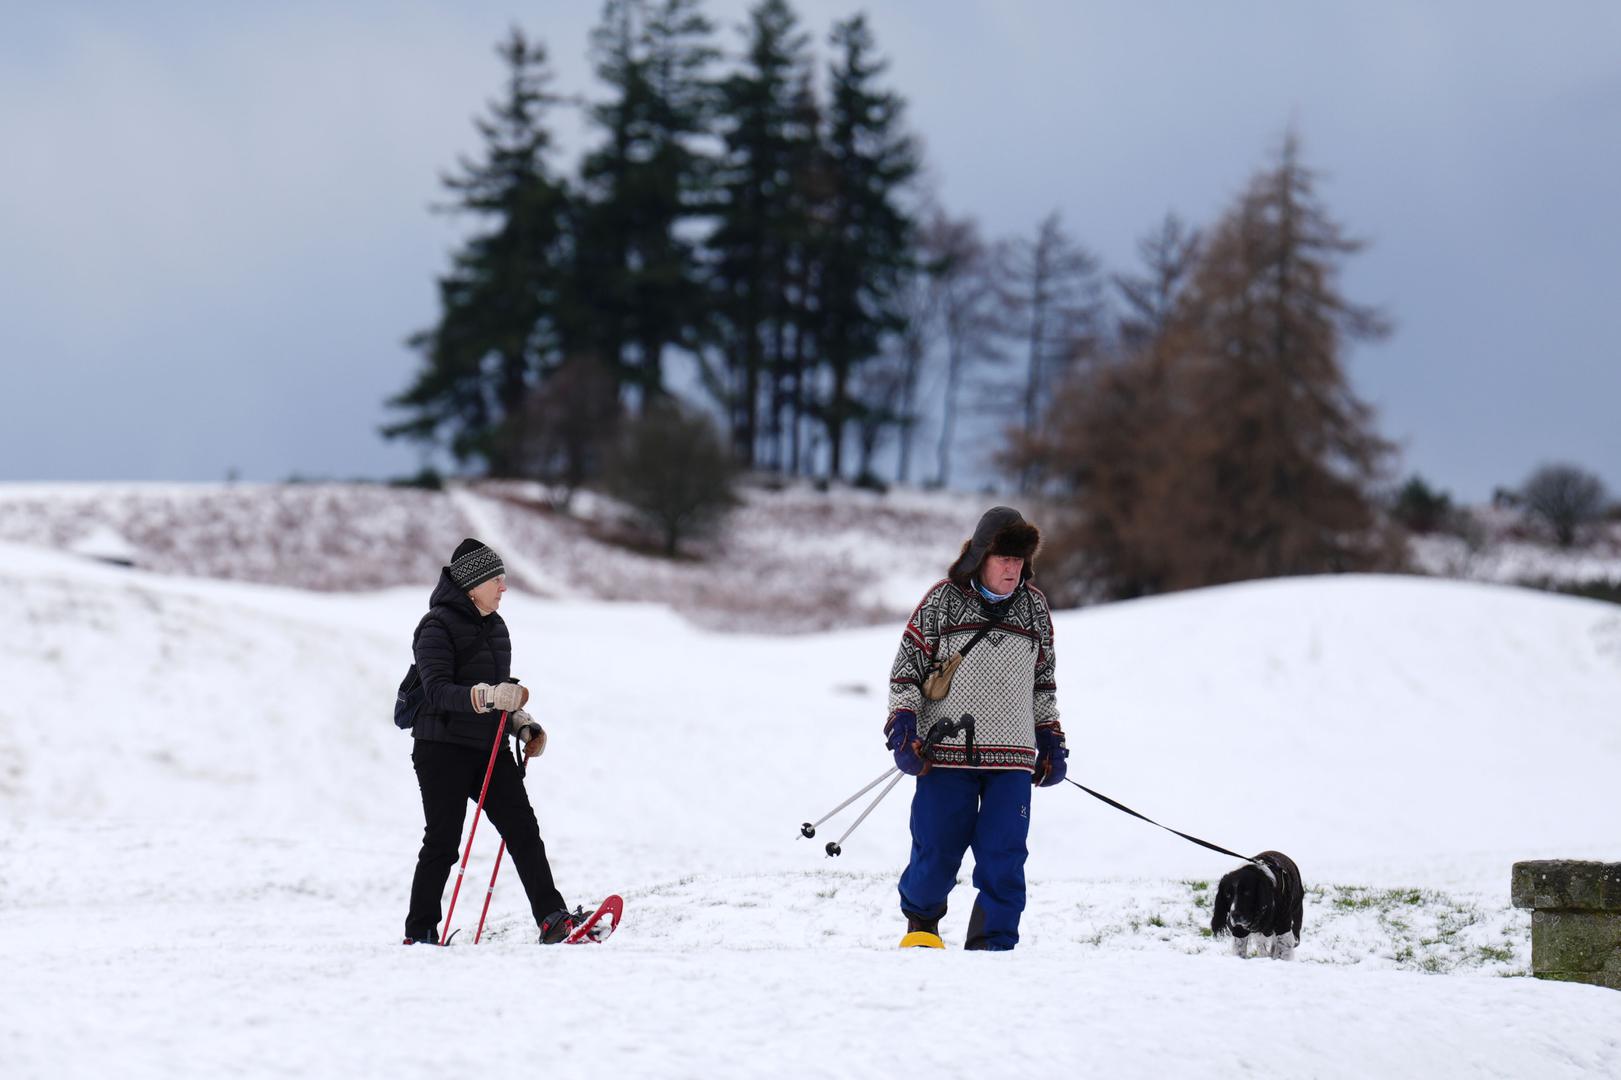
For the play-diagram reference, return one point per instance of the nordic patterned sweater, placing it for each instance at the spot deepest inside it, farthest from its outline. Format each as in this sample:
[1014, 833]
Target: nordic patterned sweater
[1005, 682]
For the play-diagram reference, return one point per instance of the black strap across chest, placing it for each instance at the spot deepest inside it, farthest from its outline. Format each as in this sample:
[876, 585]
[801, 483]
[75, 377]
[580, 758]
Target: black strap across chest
[994, 614]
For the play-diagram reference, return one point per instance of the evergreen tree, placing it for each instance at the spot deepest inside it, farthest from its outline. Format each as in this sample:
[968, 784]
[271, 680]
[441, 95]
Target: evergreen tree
[499, 330]
[1421, 508]
[866, 236]
[638, 278]
[757, 248]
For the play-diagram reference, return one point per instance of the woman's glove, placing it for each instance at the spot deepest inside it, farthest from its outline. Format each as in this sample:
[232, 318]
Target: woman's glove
[901, 738]
[529, 732]
[1051, 756]
[507, 696]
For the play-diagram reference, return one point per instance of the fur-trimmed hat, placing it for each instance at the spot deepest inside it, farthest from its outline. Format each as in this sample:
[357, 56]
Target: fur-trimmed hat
[1001, 531]
[473, 564]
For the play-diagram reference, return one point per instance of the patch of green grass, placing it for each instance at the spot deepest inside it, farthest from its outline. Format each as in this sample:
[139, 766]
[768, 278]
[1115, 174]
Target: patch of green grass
[1422, 929]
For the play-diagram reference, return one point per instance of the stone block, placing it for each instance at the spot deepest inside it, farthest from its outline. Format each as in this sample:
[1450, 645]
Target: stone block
[1575, 941]
[1567, 885]
[1575, 919]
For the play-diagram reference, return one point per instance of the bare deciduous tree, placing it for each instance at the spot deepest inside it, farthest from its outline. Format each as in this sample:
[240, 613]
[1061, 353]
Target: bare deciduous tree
[969, 312]
[1565, 498]
[567, 422]
[1053, 295]
[1229, 444]
[1169, 255]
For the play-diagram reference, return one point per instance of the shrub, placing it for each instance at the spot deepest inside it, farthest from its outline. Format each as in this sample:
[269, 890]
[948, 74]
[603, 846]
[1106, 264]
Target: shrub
[673, 471]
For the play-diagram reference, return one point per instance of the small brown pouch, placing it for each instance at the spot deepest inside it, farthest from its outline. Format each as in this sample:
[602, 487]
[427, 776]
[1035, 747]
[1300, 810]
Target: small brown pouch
[937, 679]
[937, 683]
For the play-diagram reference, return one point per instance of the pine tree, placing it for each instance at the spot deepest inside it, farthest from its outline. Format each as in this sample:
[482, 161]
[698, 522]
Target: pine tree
[499, 330]
[638, 276]
[866, 236]
[757, 246]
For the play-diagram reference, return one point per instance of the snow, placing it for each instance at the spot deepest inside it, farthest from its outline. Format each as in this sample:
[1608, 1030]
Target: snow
[212, 823]
[791, 547]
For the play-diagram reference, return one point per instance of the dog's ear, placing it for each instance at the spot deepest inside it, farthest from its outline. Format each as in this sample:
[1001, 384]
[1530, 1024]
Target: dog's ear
[1224, 901]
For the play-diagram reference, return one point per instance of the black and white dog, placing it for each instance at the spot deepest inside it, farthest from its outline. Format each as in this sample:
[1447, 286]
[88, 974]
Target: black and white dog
[1263, 899]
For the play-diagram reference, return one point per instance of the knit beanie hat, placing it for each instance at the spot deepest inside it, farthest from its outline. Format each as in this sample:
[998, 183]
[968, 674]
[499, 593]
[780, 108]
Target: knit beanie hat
[474, 564]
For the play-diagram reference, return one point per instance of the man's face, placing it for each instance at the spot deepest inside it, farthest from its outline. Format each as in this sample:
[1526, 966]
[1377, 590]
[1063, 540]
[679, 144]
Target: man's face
[1001, 573]
[488, 595]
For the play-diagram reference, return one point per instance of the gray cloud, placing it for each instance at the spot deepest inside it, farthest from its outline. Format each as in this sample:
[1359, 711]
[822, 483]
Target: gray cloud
[214, 231]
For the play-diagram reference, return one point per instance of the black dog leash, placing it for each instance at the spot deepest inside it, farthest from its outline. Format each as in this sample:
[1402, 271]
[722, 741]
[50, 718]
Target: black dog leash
[1167, 828]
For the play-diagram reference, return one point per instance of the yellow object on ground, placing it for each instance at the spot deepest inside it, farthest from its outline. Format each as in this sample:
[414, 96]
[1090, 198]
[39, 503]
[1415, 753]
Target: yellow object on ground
[922, 939]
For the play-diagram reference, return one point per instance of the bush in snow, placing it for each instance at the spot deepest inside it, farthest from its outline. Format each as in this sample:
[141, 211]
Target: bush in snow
[672, 470]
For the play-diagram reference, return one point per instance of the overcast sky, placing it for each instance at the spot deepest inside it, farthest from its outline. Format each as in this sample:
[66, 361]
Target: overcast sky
[215, 235]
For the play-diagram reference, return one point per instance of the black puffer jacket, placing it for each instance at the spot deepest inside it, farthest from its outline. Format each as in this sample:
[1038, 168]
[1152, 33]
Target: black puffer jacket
[455, 648]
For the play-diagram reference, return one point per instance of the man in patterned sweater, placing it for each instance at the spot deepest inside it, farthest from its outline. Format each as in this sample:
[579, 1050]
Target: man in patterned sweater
[973, 787]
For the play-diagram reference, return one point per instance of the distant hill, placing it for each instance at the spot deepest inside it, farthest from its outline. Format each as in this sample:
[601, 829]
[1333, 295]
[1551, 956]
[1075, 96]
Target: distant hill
[793, 559]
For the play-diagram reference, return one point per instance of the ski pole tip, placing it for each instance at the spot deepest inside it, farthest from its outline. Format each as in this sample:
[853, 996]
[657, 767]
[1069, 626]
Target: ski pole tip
[833, 848]
[808, 831]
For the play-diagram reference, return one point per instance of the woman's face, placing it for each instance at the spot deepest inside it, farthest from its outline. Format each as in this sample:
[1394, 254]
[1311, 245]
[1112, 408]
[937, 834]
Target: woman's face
[487, 597]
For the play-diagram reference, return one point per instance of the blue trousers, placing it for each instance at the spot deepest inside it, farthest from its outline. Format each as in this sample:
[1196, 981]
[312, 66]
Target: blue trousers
[988, 810]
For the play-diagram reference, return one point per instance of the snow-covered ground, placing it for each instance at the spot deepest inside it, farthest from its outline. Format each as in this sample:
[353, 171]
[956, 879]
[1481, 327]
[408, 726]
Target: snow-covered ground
[777, 568]
[790, 543]
[211, 825]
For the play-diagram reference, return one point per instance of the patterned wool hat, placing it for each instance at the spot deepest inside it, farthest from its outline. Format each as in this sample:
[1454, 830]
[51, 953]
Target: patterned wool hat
[474, 564]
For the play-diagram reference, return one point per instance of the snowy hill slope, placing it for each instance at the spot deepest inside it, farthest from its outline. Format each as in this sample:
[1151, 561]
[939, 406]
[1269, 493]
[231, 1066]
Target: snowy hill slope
[790, 547]
[212, 823]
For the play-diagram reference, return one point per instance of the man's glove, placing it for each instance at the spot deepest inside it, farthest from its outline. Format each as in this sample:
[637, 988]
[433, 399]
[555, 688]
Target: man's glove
[1051, 756]
[507, 696]
[529, 732]
[901, 738]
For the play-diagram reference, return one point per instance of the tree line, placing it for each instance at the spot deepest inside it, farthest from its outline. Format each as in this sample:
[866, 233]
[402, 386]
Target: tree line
[1184, 422]
[749, 218]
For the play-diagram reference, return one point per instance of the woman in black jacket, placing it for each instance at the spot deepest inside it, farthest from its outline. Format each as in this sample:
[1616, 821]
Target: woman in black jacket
[464, 657]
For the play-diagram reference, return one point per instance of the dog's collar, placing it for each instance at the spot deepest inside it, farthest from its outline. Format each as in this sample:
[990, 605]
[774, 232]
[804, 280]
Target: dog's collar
[1266, 868]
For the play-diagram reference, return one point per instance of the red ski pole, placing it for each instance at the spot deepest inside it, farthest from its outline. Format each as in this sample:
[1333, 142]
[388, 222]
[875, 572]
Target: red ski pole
[490, 892]
[500, 736]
